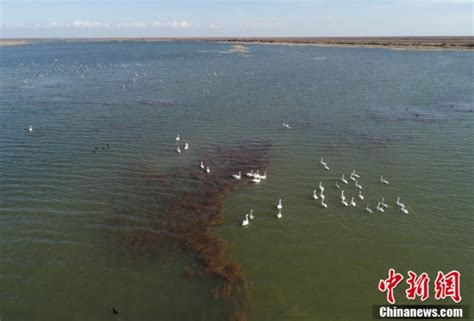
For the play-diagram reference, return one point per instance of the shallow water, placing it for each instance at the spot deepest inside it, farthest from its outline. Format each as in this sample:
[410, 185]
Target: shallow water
[406, 115]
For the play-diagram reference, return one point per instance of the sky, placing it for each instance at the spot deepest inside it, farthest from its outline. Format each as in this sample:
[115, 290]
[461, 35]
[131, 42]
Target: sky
[233, 18]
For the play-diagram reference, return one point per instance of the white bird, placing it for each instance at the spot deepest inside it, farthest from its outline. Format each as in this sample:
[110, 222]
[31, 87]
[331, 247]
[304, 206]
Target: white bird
[251, 215]
[202, 165]
[352, 178]
[360, 195]
[286, 125]
[326, 167]
[178, 150]
[344, 202]
[378, 208]
[353, 203]
[264, 176]
[383, 203]
[322, 162]
[177, 138]
[321, 187]
[368, 209]
[404, 210]
[343, 179]
[250, 174]
[256, 180]
[357, 185]
[208, 170]
[186, 146]
[323, 204]
[400, 203]
[383, 181]
[322, 196]
[343, 197]
[279, 214]
[237, 176]
[315, 195]
[30, 129]
[337, 185]
[279, 206]
[355, 174]
[246, 221]
[256, 174]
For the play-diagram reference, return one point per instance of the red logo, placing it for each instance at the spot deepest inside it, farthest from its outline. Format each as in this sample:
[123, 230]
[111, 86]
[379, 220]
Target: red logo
[418, 286]
[446, 285]
[389, 284]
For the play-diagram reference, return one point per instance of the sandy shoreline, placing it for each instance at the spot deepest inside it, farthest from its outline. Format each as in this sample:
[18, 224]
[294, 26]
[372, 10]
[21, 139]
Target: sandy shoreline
[395, 43]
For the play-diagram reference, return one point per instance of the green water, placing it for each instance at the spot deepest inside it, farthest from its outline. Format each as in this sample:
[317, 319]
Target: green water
[357, 108]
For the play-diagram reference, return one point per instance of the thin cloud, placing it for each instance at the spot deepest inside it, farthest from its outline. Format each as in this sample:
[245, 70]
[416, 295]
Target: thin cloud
[85, 24]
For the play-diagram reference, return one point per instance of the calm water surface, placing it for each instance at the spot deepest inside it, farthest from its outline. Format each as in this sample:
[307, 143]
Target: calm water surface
[406, 115]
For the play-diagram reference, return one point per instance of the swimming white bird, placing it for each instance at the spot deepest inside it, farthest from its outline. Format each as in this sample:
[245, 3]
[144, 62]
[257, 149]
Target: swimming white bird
[322, 196]
[357, 185]
[322, 162]
[337, 185]
[177, 138]
[208, 170]
[186, 145]
[256, 180]
[178, 150]
[251, 215]
[343, 179]
[279, 214]
[246, 221]
[352, 178]
[202, 165]
[360, 195]
[383, 181]
[355, 174]
[30, 129]
[368, 209]
[400, 203]
[343, 197]
[378, 208]
[250, 174]
[287, 126]
[323, 204]
[237, 176]
[383, 203]
[344, 202]
[353, 203]
[264, 176]
[256, 174]
[315, 195]
[404, 210]
[279, 206]
[321, 187]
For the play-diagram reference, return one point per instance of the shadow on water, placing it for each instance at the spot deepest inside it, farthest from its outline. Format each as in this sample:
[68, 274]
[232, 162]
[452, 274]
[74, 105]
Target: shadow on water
[185, 206]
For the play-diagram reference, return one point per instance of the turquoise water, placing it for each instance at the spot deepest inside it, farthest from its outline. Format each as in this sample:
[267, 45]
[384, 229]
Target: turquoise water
[406, 115]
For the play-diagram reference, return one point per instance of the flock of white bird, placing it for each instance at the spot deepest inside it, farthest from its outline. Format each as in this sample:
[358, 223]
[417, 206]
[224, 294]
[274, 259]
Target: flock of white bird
[380, 208]
[256, 178]
[178, 148]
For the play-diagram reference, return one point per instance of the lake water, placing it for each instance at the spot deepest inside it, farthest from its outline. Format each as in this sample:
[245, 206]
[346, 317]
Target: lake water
[103, 114]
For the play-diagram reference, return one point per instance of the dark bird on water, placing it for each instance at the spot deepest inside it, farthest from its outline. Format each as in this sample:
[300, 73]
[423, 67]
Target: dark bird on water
[114, 311]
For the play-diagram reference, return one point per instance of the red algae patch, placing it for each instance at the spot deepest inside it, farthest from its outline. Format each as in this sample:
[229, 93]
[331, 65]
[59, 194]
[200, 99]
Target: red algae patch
[187, 204]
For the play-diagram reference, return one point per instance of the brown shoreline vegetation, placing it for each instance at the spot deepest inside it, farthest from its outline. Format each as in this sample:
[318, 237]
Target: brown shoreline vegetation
[186, 206]
[408, 43]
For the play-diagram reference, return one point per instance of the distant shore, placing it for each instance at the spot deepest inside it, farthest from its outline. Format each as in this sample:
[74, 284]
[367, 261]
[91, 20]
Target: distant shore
[400, 43]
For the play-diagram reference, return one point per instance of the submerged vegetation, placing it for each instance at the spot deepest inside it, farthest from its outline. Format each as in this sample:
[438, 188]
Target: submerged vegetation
[186, 206]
